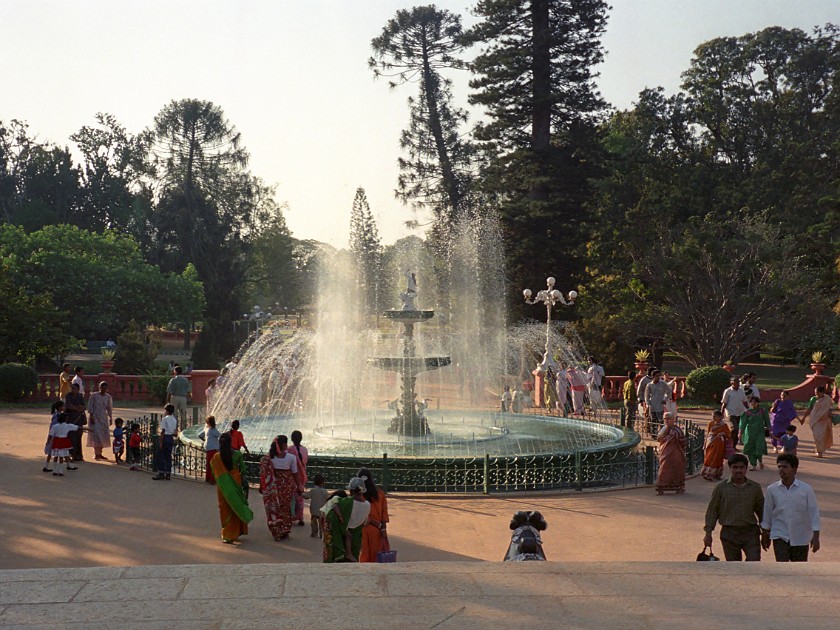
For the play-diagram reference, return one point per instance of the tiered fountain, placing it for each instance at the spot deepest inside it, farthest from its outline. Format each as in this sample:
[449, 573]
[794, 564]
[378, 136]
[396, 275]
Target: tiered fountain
[410, 420]
[437, 426]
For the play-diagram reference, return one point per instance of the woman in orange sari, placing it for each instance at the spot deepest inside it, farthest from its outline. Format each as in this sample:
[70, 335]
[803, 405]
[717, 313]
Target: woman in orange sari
[671, 457]
[373, 533]
[228, 468]
[718, 434]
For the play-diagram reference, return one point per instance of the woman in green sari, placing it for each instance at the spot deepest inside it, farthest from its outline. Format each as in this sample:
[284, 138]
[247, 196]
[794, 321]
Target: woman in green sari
[228, 467]
[755, 424]
[345, 519]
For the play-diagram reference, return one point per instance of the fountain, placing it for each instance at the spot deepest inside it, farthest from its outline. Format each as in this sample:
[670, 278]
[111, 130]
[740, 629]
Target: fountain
[415, 398]
[410, 420]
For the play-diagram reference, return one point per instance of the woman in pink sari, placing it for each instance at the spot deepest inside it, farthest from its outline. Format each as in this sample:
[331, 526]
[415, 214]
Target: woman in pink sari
[279, 480]
[671, 457]
[819, 419]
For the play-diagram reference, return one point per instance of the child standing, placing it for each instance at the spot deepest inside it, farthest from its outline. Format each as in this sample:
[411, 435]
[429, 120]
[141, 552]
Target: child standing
[134, 441]
[119, 441]
[790, 441]
[57, 408]
[317, 499]
[211, 436]
[237, 440]
[61, 444]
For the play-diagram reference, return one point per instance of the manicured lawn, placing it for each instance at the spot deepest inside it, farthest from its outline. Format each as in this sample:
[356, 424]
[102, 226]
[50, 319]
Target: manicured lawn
[768, 375]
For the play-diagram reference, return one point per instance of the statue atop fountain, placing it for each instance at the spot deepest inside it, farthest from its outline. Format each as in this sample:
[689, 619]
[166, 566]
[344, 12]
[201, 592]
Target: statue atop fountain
[410, 292]
[410, 419]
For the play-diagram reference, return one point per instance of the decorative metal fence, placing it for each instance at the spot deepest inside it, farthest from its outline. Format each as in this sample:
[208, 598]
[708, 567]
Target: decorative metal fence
[610, 468]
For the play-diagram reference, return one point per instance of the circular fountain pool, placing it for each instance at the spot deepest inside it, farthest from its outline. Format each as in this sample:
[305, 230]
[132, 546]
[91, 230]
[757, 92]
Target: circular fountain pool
[453, 434]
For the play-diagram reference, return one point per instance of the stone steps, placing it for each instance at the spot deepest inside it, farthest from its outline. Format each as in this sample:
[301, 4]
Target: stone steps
[425, 595]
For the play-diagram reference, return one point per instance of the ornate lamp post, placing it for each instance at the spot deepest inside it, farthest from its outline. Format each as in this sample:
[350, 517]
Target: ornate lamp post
[549, 297]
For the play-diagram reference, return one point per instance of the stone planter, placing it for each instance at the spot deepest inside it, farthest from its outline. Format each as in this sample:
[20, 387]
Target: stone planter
[641, 367]
[730, 367]
[818, 368]
[106, 366]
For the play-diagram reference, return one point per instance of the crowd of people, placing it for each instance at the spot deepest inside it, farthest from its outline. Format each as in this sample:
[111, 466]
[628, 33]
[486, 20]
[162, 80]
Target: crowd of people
[352, 523]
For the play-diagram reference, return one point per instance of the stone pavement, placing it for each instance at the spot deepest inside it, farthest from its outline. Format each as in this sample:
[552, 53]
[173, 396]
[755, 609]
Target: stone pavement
[425, 595]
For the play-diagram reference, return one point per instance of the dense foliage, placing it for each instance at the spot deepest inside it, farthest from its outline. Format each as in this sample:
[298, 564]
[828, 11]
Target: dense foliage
[706, 384]
[16, 380]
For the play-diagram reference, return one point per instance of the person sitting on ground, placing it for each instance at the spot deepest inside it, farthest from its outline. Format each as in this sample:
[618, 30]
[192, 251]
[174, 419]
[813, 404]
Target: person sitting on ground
[344, 518]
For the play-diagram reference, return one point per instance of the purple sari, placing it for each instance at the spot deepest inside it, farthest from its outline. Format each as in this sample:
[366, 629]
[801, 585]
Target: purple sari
[781, 418]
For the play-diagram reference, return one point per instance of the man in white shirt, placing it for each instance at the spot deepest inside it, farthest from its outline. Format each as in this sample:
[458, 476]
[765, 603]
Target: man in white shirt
[596, 381]
[78, 380]
[733, 405]
[791, 516]
[168, 432]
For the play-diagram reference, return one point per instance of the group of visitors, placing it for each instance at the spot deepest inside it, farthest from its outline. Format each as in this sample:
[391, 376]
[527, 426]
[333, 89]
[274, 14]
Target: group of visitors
[566, 389]
[786, 516]
[351, 523]
[72, 415]
[750, 425]
[649, 399]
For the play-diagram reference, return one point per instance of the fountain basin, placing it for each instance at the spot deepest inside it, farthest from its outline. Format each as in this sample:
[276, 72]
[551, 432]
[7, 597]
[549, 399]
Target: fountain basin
[412, 365]
[408, 317]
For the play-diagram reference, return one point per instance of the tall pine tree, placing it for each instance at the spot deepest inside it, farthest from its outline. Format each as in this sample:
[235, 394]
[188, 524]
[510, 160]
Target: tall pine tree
[366, 247]
[535, 80]
[413, 48]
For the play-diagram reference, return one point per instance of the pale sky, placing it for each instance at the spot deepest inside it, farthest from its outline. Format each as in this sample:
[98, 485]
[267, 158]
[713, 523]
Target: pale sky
[292, 76]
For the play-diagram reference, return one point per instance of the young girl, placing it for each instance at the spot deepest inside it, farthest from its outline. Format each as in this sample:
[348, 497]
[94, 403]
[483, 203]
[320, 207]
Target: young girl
[55, 410]
[134, 441]
[61, 444]
[211, 436]
[119, 441]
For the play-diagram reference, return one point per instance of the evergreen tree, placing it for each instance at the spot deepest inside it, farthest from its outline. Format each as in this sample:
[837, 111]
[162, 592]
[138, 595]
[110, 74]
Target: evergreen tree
[414, 47]
[366, 248]
[534, 77]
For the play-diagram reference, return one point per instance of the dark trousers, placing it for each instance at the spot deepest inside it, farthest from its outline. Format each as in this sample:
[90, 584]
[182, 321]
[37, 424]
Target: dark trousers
[630, 414]
[76, 450]
[735, 421]
[736, 540]
[785, 552]
[165, 455]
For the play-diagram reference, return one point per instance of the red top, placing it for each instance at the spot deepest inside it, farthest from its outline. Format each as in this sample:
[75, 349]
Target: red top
[134, 440]
[237, 441]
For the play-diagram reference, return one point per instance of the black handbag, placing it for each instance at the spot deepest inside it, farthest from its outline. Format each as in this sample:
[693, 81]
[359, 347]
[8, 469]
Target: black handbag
[707, 557]
[245, 488]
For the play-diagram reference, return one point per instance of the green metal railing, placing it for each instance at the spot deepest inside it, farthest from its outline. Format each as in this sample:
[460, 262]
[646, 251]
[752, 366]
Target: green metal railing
[574, 471]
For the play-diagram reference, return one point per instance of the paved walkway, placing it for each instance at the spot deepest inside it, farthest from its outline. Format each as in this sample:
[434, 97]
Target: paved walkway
[104, 515]
[440, 595]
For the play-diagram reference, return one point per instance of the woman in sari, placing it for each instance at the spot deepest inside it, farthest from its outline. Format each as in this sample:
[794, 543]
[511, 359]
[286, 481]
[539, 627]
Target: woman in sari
[279, 480]
[373, 533]
[100, 407]
[344, 519]
[718, 435]
[782, 413]
[755, 424]
[671, 400]
[302, 454]
[671, 457]
[819, 419]
[228, 468]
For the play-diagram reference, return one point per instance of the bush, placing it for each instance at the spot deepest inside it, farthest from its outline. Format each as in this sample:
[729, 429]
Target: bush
[135, 354]
[706, 384]
[157, 383]
[16, 381]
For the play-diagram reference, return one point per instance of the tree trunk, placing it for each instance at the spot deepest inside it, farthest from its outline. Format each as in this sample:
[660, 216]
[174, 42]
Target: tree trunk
[540, 92]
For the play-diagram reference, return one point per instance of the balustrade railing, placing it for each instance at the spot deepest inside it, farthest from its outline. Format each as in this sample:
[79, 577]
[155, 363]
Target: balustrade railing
[573, 471]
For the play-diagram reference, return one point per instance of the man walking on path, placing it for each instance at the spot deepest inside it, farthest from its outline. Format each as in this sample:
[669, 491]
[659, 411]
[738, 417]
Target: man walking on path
[177, 391]
[631, 403]
[78, 380]
[791, 516]
[656, 393]
[738, 504]
[734, 404]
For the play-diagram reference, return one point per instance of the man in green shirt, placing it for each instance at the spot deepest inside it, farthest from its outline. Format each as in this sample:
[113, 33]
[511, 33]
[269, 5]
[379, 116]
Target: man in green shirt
[631, 401]
[738, 504]
[177, 391]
